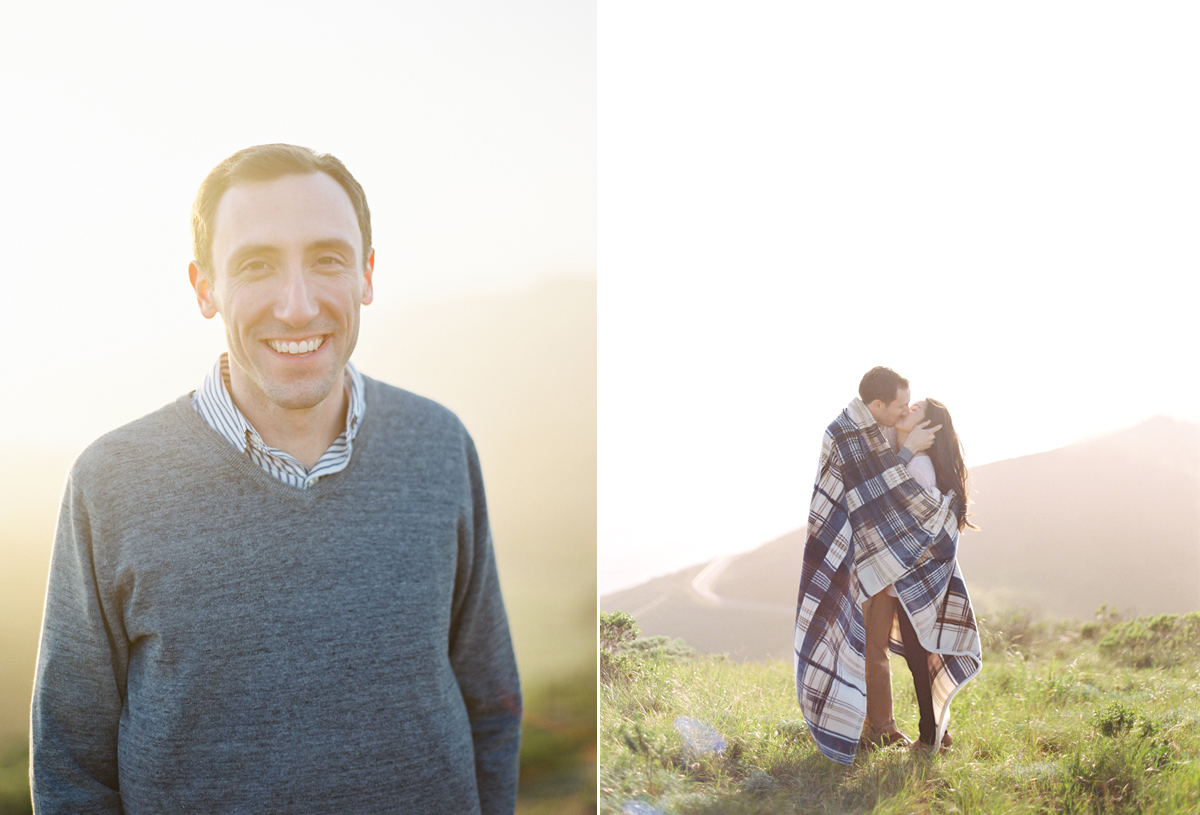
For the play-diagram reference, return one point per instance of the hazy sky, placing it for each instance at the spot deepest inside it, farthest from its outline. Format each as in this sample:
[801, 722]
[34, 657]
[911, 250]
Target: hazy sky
[472, 126]
[999, 201]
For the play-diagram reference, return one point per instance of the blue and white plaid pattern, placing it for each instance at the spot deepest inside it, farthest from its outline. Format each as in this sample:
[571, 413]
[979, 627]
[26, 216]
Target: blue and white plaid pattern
[213, 402]
[871, 525]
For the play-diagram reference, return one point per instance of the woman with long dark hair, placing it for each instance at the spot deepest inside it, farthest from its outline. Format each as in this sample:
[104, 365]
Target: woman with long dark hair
[945, 456]
[939, 468]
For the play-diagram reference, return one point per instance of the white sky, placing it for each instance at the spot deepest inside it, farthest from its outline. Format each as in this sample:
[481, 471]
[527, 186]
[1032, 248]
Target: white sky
[472, 126]
[998, 201]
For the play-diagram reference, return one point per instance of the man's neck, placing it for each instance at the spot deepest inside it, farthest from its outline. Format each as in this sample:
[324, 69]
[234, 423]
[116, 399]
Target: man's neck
[303, 434]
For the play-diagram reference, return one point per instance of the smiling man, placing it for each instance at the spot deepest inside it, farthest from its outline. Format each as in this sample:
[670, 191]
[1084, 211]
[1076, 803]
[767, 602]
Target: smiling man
[278, 593]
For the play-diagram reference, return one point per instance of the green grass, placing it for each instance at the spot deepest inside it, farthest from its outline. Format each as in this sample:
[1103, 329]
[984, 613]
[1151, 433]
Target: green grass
[558, 748]
[1054, 724]
[14, 778]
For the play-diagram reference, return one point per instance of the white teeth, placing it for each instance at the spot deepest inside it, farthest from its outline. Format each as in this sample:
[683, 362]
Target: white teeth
[304, 347]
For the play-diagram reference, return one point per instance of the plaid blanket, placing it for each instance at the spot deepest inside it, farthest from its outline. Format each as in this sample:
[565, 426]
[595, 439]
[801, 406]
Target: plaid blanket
[871, 525]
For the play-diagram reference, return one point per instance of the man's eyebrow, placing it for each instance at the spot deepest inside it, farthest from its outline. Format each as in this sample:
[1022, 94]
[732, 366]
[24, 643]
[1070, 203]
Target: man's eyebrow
[331, 243]
[243, 252]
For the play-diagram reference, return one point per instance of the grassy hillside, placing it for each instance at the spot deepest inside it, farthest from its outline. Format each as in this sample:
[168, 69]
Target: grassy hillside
[1064, 718]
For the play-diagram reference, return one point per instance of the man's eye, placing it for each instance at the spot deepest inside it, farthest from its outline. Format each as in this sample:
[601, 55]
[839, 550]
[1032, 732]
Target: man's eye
[254, 268]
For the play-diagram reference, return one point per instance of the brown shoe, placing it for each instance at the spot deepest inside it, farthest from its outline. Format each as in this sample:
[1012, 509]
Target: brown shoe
[879, 741]
[946, 740]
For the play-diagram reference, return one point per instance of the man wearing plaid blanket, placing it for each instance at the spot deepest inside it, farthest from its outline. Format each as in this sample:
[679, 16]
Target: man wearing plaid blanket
[872, 526]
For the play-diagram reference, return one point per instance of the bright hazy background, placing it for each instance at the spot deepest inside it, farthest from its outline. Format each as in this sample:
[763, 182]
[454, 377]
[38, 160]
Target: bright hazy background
[998, 200]
[472, 127]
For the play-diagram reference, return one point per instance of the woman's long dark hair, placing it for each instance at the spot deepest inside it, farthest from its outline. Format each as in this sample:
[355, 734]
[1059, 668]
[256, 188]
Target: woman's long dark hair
[947, 456]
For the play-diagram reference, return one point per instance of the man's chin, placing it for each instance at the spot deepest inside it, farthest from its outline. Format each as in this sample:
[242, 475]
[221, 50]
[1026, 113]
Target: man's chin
[303, 400]
[300, 395]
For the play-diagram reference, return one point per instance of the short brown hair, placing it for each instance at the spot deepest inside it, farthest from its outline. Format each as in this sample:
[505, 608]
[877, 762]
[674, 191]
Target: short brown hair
[267, 162]
[880, 383]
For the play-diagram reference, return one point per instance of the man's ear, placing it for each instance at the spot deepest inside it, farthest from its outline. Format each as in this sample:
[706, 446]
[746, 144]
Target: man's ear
[368, 293]
[205, 296]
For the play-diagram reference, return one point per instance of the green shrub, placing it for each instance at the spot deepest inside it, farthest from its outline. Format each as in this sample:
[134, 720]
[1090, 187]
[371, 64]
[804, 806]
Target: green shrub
[1114, 720]
[1112, 773]
[618, 667]
[616, 630]
[663, 647]
[1163, 640]
[622, 652]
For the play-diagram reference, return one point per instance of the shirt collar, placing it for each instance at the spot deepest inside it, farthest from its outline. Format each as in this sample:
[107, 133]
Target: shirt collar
[215, 403]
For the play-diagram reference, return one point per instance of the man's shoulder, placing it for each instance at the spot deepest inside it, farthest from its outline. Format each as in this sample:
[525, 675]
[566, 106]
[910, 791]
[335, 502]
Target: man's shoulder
[838, 424]
[133, 444]
[843, 425]
[396, 406]
[846, 438]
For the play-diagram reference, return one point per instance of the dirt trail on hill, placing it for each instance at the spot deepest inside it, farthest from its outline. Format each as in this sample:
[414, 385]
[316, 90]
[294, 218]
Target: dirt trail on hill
[702, 587]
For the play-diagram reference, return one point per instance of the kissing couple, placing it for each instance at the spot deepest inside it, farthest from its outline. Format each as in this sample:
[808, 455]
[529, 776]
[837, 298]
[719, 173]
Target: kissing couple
[881, 573]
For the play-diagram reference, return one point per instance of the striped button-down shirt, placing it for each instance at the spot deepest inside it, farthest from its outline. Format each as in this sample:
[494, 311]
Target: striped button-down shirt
[214, 403]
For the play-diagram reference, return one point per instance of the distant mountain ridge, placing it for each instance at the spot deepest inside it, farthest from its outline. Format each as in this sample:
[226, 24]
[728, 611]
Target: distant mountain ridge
[1110, 521]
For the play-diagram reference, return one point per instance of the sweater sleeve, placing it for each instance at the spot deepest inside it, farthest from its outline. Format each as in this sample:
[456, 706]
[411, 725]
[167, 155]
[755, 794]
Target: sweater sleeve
[482, 657]
[77, 697]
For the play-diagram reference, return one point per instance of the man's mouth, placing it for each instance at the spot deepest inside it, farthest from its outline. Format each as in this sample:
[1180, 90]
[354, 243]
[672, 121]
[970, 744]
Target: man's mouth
[296, 348]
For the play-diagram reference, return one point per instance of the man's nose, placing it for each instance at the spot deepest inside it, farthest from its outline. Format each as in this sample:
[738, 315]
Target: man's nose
[297, 304]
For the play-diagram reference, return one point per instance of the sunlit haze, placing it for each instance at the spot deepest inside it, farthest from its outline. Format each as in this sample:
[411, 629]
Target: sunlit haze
[997, 201]
[471, 126]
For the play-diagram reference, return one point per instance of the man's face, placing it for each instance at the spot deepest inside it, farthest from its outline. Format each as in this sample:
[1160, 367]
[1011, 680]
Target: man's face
[887, 415]
[288, 280]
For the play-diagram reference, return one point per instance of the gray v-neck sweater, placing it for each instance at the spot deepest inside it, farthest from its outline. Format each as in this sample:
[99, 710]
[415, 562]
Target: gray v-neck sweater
[217, 641]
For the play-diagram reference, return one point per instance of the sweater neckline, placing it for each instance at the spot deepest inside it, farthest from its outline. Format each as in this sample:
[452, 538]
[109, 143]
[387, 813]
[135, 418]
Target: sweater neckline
[211, 443]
